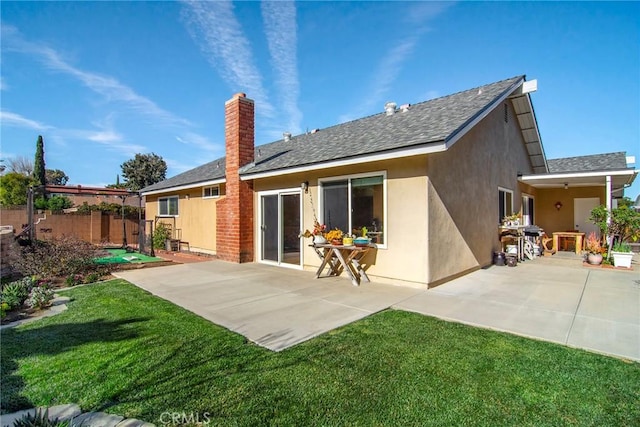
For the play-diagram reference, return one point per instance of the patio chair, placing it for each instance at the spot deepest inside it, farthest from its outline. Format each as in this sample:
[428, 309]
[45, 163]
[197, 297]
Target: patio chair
[547, 245]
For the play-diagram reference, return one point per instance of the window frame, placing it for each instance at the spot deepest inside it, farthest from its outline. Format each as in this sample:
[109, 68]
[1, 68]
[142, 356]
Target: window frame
[217, 187]
[167, 198]
[510, 210]
[530, 202]
[348, 178]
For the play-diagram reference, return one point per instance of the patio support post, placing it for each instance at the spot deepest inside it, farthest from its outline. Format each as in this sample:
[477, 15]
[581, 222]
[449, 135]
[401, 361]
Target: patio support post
[608, 202]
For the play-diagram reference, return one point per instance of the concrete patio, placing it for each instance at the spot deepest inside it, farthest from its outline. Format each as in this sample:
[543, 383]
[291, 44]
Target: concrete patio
[549, 299]
[272, 306]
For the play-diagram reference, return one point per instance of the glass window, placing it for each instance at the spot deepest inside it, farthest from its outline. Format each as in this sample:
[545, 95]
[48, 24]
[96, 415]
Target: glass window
[168, 206]
[505, 204]
[527, 210]
[353, 203]
[213, 191]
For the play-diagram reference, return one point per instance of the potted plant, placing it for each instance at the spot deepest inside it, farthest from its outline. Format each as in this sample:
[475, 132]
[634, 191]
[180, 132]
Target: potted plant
[594, 249]
[622, 255]
[317, 233]
[621, 224]
[511, 220]
[335, 236]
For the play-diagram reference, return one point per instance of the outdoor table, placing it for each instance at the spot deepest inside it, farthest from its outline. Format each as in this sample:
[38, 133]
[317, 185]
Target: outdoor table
[518, 236]
[579, 238]
[339, 258]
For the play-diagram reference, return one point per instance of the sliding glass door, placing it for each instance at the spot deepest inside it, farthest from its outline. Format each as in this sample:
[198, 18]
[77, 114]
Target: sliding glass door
[280, 227]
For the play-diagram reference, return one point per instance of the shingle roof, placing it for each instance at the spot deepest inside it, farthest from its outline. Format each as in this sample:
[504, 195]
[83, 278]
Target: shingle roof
[207, 172]
[428, 122]
[595, 162]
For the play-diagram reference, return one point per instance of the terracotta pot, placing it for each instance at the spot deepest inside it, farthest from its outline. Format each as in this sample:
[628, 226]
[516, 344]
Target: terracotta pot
[594, 259]
[336, 242]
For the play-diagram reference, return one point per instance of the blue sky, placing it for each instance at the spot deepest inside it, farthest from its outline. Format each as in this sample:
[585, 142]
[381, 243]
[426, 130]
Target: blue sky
[101, 81]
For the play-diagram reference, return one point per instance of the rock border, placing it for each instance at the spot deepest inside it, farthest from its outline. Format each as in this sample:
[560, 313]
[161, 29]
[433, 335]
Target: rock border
[58, 305]
[72, 412]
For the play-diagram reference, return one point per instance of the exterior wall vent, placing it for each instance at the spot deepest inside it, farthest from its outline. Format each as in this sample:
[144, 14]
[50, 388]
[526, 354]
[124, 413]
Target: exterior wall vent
[390, 108]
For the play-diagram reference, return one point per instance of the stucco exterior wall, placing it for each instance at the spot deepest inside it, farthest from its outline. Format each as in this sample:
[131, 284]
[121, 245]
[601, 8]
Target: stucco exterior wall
[463, 194]
[196, 217]
[405, 257]
[551, 219]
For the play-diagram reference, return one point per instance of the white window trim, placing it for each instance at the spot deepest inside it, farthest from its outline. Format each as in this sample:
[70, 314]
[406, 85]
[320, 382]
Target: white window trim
[167, 198]
[212, 187]
[528, 196]
[506, 190]
[385, 227]
[258, 233]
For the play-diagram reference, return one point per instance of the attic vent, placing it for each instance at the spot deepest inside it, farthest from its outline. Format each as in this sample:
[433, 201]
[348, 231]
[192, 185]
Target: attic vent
[287, 136]
[390, 108]
[506, 113]
[405, 107]
[314, 130]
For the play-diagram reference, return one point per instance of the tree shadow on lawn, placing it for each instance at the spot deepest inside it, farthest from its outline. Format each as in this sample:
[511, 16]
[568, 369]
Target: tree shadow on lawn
[52, 339]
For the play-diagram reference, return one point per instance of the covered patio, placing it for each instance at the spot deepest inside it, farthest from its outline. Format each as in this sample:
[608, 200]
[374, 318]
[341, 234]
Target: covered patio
[565, 196]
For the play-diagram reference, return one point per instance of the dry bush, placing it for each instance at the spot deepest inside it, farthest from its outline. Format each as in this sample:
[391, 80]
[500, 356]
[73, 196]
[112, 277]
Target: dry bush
[57, 257]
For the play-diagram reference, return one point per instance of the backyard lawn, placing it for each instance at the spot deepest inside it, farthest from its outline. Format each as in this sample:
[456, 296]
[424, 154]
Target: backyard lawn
[121, 350]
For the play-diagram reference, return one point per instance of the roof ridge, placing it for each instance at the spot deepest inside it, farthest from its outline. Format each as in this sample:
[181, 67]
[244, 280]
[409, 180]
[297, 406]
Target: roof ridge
[470, 90]
[590, 155]
[417, 103]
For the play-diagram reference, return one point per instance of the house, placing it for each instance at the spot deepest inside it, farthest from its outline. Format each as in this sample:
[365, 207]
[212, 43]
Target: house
[79, 195]
[430, 181]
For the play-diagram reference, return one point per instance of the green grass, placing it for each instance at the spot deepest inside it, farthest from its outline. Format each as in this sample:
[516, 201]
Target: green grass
[120, 350]
[116, 256]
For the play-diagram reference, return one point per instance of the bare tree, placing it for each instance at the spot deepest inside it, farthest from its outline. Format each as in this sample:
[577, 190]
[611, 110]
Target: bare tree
[21, 164]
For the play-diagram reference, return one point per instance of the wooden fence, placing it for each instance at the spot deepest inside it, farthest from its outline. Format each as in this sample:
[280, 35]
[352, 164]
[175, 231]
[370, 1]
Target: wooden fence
[94, 227]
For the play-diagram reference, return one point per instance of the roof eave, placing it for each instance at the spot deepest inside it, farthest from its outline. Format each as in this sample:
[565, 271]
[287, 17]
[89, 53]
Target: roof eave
[367, 158]
[579, 179]
[184, 187]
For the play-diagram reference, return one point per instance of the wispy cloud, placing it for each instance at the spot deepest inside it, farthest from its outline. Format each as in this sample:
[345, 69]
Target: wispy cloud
[202, 142]
[384, 77]
[109, 87]
[281, 31]
[179, 167]
[8, 118]
[390, 66]
[107, 137]
[214, 27]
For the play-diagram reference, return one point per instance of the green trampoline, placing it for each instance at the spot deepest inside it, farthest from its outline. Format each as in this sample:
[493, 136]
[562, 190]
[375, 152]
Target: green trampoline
[121, 256]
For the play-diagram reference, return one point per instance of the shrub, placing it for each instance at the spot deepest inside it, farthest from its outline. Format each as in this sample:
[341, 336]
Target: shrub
[58, 257]
[59, 203]
[14, 294]
[160, 235]
[74, 279]
[40, 419]
[92, 277]
[4, 307]
[40, 296]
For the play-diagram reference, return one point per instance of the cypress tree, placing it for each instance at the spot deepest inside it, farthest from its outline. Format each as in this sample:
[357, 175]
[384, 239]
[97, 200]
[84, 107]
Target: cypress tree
[39, 172]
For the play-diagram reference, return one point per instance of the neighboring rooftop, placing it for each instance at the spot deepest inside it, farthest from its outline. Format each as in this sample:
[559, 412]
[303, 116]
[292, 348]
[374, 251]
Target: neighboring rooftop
[431, 122]
[595, 162]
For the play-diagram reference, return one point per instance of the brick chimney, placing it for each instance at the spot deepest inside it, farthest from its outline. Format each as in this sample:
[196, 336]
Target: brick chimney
[234, 215]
